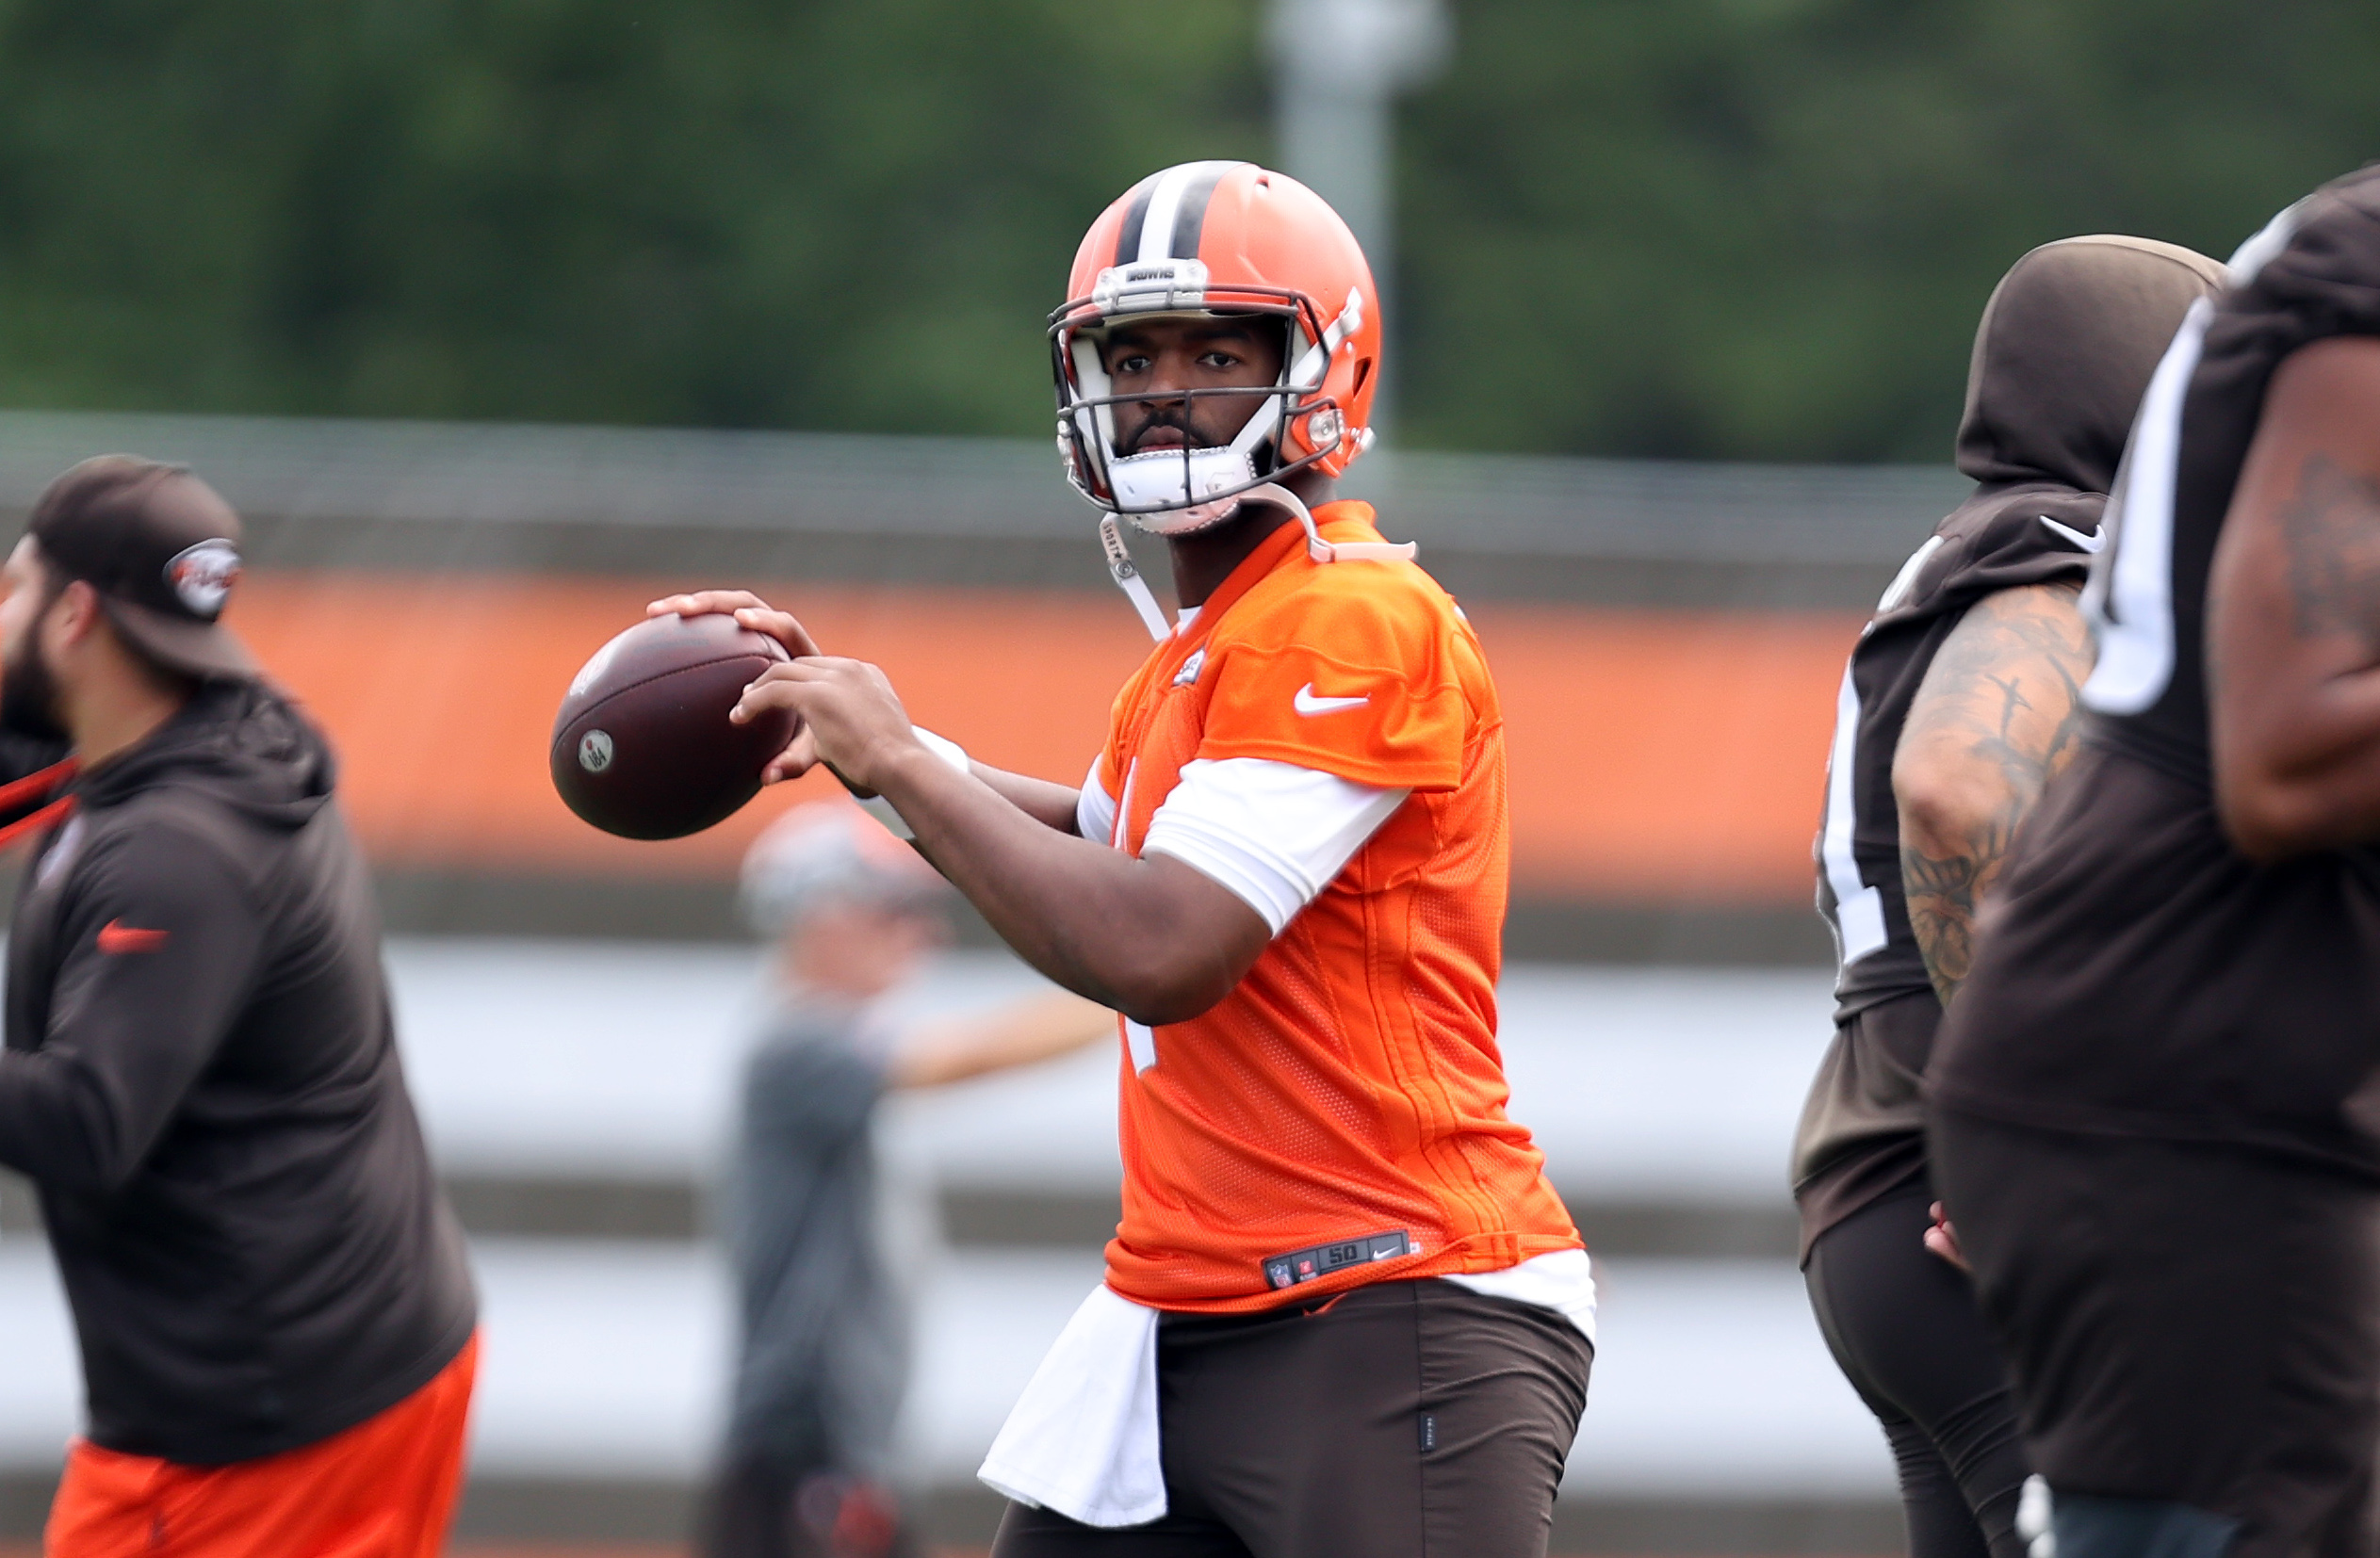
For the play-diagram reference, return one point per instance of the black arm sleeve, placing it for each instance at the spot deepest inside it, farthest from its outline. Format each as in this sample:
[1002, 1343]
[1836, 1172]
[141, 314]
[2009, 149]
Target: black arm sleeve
[157, 945]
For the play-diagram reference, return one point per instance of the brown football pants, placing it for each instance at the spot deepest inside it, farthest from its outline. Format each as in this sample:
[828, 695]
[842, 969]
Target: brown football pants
[1405, 1420]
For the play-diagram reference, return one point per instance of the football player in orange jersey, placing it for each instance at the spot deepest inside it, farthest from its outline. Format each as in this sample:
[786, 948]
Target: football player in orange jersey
[1344, 1313]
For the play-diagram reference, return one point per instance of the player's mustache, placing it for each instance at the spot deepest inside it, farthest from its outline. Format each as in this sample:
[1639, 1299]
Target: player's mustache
[1190, 435]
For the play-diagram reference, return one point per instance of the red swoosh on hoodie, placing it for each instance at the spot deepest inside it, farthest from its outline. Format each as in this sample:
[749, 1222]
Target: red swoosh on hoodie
[116, 936]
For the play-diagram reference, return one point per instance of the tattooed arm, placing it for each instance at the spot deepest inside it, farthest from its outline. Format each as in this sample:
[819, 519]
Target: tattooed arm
[2293, 613]
[1996, 715]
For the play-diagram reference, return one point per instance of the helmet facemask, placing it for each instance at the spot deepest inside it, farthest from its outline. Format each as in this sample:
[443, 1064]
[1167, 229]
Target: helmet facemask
[1183, 489]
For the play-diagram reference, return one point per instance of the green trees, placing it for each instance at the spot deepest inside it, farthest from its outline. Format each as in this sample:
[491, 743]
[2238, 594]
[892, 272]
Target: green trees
[1765, 228]
[728, 212]
[1688, 227]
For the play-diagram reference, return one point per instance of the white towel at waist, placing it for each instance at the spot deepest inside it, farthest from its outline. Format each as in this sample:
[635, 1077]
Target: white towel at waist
[1563, 1282]
[1083, 1438]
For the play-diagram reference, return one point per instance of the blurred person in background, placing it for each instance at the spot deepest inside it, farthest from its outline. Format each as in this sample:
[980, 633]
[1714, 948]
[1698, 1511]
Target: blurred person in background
[2154, 1110]
[277, 1324]
[1959, 704]
[852, 912]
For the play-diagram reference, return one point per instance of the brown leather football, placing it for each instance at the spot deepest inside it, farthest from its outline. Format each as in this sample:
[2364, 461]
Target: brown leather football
[642, 745]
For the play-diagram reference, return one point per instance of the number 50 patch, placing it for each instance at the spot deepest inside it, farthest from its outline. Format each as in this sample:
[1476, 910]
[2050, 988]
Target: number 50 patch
[1288, 1271]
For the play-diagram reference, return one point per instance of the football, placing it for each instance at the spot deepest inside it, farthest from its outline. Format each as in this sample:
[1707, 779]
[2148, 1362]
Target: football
[642, 745]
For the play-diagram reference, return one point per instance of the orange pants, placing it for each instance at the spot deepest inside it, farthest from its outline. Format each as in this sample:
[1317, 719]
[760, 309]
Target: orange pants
[384, 1489]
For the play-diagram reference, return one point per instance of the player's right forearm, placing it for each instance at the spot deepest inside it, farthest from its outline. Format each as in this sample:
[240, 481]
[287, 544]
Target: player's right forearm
[1053, 806]
[1151, 938]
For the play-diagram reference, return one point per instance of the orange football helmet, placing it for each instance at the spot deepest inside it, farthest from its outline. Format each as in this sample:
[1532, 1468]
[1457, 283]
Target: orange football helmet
[1218, 239]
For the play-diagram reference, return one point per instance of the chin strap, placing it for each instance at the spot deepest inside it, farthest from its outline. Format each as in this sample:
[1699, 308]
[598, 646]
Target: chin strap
[1126, 572]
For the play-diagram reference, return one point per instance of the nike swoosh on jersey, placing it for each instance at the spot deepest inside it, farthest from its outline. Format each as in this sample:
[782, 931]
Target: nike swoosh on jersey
[1305, 703]
[2091, 543]
[116, 936]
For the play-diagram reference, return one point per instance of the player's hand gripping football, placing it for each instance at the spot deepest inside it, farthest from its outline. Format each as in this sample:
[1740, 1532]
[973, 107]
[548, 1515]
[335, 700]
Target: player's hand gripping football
[851, 720]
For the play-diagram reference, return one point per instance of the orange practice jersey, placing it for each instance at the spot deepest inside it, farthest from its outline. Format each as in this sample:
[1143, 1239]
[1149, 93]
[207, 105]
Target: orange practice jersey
[1349, 1089]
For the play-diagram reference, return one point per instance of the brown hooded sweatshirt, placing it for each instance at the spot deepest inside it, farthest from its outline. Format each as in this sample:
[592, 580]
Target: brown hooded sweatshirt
[2062, 355]
[201, 1075]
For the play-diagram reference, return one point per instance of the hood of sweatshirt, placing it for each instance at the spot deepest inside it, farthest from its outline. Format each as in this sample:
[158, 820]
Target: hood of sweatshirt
[2065, 353]
[240, 742]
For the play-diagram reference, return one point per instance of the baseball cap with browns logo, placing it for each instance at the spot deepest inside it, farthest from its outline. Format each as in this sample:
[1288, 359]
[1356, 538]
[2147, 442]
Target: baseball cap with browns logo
[162, 549]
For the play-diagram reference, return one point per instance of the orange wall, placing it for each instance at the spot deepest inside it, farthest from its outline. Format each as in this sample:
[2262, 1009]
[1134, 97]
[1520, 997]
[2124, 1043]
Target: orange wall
[1656, 755]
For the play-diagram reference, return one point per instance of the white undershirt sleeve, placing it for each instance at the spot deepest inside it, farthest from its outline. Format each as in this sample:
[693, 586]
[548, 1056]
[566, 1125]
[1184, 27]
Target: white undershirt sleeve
[1095, 809]
[1273, 832]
